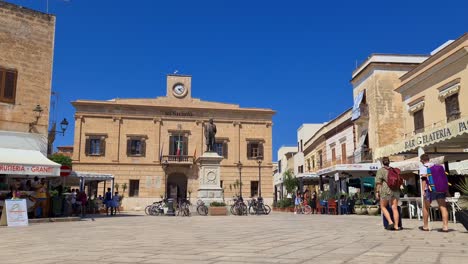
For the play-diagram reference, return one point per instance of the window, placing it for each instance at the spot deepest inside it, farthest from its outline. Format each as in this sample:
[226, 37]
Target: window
[320, 160]
[313, 162]
[221, 184]
[333, 155]
[279, 166]
[300, 169]
[7, 85]
[222, 149]
[134, 188]
[343, 153]
[254, 150]
[136, 147]
[452, 107]
[302, 146]
[308, 165]
[253, 188]
[179, 145]
[95, 146]
[418, 121]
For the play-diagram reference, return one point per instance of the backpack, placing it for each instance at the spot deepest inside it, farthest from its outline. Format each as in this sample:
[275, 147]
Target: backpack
[437, 178]
[394, 180]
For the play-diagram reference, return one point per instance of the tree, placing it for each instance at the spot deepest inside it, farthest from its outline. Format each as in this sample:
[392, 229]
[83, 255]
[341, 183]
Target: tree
[61, 159]
[290, 181]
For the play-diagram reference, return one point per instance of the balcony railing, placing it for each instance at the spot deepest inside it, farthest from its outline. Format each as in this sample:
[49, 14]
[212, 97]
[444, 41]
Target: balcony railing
[175, 159]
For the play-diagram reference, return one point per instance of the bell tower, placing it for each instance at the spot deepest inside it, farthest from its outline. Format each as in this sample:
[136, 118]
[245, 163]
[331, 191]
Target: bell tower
[179, 86]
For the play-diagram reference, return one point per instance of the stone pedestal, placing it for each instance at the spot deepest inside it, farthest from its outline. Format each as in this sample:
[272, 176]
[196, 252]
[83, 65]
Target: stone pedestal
[210, 176]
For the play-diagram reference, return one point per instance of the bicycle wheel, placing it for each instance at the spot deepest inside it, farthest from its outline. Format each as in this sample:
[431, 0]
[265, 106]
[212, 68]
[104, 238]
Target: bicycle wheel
[307, 209]
[244, 209]
[267, 209]
[202, 210]
[233, 210]
[147, 210]
[252, 210]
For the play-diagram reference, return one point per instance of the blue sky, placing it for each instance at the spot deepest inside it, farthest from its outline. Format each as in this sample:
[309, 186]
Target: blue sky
[295, 57]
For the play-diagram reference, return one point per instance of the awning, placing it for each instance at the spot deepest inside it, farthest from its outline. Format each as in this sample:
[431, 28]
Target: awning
[459, 168]
[357, 102]
[362, 139]
[92, 176]
[356, 170]
[27, 162]
[368, 182]
[453, 133]
[308, 175]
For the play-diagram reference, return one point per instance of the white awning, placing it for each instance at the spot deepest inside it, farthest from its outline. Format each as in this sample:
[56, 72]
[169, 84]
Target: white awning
[308, 175]
[414, 164]
[27, 162]
[459, 168]
[92, 176]
[357, 102]
[358, 169]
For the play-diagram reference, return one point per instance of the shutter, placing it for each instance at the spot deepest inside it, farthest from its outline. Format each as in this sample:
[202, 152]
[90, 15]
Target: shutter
[129, 147]
[171, 145]
[249, 150]
[225, 150]
[185, 146]
[143, 148]
[103, 146]
[260, 150]
[87, 146]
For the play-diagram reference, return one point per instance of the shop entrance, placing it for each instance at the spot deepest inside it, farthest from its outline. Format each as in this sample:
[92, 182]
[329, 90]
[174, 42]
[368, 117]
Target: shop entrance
[177, 186]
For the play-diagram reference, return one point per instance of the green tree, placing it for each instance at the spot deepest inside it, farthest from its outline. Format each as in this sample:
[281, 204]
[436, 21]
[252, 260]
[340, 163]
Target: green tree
[290, 182]
[61, 159]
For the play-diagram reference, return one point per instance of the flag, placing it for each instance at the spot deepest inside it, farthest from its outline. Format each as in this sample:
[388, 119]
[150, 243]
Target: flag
[161, 152]
[178, 148]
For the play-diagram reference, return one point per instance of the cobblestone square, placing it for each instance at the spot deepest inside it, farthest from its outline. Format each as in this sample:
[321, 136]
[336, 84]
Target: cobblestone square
[277, 238]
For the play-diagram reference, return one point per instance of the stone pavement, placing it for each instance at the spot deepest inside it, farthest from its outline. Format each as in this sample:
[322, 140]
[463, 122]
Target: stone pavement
[277, 238]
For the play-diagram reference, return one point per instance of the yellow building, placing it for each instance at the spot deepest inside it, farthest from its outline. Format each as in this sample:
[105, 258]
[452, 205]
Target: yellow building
[435, 108]
[133, 138]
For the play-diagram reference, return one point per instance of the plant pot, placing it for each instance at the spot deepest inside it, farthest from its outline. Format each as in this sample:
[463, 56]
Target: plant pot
[373, 210]
[214, 211]
[360, 210]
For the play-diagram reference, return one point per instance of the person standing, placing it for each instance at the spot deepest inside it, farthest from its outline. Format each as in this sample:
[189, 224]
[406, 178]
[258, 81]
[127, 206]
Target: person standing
[41, 199]
[116, 202]
[387, 188]
[313, 204]
[108, 201]
[435, 185]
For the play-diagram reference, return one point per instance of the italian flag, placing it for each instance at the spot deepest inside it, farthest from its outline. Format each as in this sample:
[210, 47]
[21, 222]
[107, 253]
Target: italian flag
[178, 148]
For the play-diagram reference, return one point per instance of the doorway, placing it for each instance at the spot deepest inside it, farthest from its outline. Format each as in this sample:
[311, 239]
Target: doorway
[177, 186]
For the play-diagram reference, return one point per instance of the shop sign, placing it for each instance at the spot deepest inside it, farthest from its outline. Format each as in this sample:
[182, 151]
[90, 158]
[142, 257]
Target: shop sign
[177, 113]
[24, 169]
[17, 212]
[453, 129]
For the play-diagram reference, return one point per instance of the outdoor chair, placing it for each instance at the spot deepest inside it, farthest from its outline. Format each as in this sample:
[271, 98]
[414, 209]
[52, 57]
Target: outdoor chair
[320, 207]
[332, 206]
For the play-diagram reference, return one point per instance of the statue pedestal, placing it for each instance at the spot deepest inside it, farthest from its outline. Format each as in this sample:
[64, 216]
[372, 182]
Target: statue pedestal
[210, 176]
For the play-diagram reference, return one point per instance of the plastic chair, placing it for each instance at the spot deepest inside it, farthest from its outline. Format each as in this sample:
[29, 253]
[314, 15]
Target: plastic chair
[332, 206]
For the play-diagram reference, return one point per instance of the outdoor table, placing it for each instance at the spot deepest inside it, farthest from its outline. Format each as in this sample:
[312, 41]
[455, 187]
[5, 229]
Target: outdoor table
[454, 203]
[417, 200]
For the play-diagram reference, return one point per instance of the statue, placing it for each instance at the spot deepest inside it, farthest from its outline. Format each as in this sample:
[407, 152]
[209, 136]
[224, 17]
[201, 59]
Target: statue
[210, 133]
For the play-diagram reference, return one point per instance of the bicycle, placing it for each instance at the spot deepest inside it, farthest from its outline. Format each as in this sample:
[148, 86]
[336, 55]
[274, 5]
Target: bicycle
[304, 209]
[239, 207]
[258, 207]
[157, 208]
[183, 207]
[202, 209]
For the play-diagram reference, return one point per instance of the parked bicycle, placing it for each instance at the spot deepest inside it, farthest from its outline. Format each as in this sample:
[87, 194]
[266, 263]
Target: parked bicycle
[258, 207]
[183, 207]
[202, 209]
[239, 207]
[157, 208]
[303, 209]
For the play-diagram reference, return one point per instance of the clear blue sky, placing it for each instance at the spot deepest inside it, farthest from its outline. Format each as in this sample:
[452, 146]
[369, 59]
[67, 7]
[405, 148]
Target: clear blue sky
[295, 57]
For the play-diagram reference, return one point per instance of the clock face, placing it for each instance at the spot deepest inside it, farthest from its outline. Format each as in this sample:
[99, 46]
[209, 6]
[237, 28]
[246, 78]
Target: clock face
[179, 89]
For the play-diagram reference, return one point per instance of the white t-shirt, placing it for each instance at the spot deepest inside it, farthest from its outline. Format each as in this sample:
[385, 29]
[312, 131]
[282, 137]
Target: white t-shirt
[423, 168]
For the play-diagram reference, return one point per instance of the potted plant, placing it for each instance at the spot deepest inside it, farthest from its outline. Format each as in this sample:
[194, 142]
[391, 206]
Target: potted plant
[373, 209]
[462, 216]
[217, 208]
[124, 187]
[360, 209]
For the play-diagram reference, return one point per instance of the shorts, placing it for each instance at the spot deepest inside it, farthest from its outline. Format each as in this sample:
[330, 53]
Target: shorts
[390, 196]
[431, 196]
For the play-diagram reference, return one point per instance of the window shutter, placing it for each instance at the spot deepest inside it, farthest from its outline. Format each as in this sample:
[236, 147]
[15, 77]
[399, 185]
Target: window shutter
[103, 146]
[129, 147]
[225, 150]
[143, 148]
[171, 145]
[87, 146]
[260, 150]
[249, 150]
[185, 146]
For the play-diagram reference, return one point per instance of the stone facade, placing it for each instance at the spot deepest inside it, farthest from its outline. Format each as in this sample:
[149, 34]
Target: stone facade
[26, 48]
[154, 121]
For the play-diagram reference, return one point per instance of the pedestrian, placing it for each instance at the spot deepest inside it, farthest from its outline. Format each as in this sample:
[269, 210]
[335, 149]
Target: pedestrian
[81, 200]
[297, 202]
[108, 201]
[73, 200]
[313, 204]
[116, 202]
[388, 192]
[435, 185]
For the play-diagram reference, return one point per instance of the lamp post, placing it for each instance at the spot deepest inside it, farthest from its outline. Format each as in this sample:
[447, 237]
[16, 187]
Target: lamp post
[239, 166]
[260, 199]
[170, 201]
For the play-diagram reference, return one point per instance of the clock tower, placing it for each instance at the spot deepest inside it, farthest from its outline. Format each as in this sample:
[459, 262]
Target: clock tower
[179, 86]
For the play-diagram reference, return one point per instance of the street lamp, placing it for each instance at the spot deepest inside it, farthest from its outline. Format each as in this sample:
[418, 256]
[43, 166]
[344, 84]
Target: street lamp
[170, 201]
[239, 166]
[260, 199]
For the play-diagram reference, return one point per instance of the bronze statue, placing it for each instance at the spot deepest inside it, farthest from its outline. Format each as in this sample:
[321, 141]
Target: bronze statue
[210, 133]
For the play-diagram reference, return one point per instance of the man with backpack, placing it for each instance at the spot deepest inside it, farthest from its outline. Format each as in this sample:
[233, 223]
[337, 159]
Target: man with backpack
[435, 185]
[387, 189]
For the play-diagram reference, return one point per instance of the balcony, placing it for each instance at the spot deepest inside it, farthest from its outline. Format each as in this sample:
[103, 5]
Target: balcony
[363, 156]
[180, 160]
